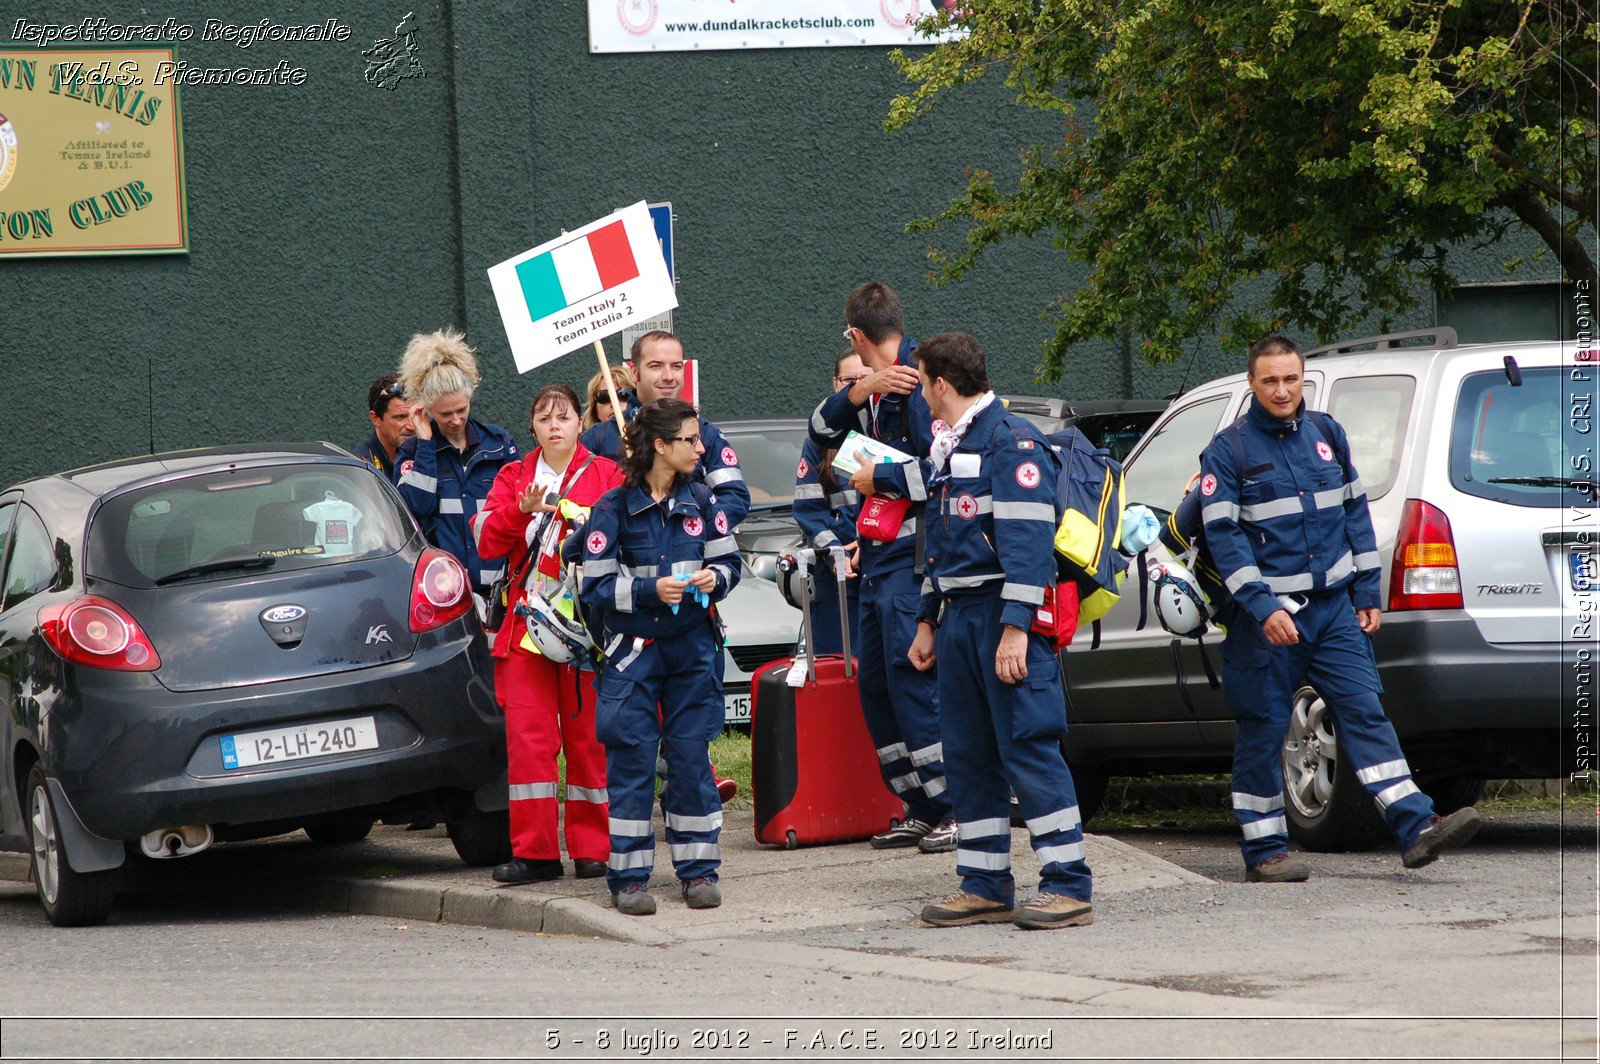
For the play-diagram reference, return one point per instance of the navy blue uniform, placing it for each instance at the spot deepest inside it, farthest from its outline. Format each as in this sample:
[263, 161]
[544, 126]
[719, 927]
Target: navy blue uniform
[1285, 515]
[445, 488]
[657, 690]
[991, 536]
[371, 451]
[828, 519]
[900, 704]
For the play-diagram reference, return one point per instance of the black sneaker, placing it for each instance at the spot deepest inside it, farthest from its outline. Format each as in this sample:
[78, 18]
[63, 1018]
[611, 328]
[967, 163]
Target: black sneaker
[941, 839]
[1442, 833]
[522, 870]
[905, 833]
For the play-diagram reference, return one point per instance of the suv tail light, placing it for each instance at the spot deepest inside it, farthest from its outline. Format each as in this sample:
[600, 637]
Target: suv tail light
[439, 592]
[1424, 575]
[96, 632]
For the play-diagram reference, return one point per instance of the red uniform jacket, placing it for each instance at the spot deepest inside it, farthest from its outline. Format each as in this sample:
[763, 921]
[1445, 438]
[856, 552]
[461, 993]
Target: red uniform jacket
[502, 529]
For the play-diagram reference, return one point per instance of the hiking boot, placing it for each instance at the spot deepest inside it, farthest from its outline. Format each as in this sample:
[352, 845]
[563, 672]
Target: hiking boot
[701, 893]
[634, 901]
[588, 868]
[906, 833]
[1279, 868]
[1054, 910]
[523, 870]
[941, 839]
[1442, 833]
[963, 908]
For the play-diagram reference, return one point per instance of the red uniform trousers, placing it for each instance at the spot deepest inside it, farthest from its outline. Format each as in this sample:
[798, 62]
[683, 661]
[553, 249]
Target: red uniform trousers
[543, 716]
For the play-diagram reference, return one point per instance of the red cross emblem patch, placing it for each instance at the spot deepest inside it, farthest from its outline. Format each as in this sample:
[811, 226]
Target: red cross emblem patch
[1208, 486]
[693, 526]
[596, 542]
[721, 523]
[1324, 451]
[406, 466]
[803, 469]
[1028, 475]
[728, 457]
[967, 507]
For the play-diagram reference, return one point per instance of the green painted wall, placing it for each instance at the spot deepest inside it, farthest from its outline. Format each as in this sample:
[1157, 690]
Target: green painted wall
[330, 221]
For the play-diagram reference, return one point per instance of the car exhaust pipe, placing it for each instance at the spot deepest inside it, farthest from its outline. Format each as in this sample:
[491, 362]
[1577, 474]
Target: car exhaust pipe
[165, 843]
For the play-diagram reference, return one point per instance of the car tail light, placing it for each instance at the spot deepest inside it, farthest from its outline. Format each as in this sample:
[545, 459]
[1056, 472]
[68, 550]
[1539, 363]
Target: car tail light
[440, 592]
[1425, 574]
[96, 632]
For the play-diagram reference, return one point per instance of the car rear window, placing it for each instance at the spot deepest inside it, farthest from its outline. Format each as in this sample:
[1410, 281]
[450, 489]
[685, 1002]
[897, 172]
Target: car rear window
[1375, 413]
[290, 516]
[1512, 444]
[768, 458]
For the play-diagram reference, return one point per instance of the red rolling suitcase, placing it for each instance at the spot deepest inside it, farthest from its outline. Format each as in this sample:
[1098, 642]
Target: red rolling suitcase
[814, 769]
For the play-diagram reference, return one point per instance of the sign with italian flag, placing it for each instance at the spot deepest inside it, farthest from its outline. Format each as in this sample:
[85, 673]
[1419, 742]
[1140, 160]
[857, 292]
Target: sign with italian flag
[582, 287]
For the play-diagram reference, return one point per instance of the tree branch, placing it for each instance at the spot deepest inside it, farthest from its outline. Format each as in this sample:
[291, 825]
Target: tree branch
[1571, 200]
[1576, 262]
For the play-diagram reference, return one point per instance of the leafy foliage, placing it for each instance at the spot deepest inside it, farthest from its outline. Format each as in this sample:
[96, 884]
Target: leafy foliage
[1328, 150]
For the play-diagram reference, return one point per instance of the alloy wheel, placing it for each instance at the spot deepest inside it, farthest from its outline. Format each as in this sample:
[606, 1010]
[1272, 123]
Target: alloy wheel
[45, 845]
[1310, 754]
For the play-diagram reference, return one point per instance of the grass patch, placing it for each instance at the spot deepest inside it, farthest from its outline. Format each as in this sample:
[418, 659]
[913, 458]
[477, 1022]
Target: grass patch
[730, 752]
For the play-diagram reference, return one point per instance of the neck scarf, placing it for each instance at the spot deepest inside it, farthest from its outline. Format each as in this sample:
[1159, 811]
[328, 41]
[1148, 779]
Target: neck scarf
[945, 437]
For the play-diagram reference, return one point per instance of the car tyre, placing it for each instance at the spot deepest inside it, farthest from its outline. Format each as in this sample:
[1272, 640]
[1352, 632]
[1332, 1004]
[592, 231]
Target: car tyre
[69, 899]
[339, 833]
[481, 837]
[1327, 808]
[1450, 793]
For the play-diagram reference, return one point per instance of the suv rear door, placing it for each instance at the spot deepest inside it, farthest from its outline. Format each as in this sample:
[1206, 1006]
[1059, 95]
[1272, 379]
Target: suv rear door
[1520, 497]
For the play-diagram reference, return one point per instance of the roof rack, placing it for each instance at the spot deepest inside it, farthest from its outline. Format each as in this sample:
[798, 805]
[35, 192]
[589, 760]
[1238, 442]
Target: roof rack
[1443, 336]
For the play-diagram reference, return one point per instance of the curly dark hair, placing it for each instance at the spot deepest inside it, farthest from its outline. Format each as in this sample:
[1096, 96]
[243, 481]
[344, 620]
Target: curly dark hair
[660, 420]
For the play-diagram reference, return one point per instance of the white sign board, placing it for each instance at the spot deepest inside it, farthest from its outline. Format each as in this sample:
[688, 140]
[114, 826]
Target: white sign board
[706, 25]
[581, 287]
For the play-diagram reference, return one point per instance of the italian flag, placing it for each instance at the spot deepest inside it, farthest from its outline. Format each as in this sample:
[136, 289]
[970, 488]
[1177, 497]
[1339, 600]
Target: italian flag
[582, 267]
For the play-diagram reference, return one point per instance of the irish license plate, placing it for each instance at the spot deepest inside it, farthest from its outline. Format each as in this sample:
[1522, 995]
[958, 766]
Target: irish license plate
[1581, 565]
[738, 708]
[272, 745]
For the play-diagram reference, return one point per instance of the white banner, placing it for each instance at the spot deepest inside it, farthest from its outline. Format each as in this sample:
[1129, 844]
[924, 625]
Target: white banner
[706, 25]
[582, 286]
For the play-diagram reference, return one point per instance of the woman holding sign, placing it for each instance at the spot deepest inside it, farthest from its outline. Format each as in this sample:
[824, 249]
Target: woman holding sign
[549, 704]
[657, 553]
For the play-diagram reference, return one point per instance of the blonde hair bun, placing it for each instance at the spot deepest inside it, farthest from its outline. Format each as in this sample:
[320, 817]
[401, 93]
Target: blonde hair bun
[438, 364]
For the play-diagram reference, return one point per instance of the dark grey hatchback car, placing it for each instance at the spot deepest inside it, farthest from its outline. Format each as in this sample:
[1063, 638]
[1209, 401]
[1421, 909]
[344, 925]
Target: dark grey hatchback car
[232, 643]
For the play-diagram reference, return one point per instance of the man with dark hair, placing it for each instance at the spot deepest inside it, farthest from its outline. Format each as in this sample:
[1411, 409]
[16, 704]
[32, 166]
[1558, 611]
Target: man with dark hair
[390, 414]
[1287, 525]
[991, 562]
[900, 703]
[658, 368]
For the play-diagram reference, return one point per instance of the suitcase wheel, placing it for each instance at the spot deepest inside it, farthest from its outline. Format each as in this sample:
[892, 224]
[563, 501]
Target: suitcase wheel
[789, 841]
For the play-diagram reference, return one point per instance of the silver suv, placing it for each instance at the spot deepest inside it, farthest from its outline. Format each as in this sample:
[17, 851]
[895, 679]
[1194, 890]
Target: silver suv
[1479, 465]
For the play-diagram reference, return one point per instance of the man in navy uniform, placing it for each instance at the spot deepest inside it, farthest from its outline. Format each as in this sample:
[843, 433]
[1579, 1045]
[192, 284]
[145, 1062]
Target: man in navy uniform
[991, 566]
[658, 367]
[1287, 525]
[900, 704]
[390, 414]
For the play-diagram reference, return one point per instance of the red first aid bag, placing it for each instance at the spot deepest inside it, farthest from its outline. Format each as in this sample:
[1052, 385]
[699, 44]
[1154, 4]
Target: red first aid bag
[1057, 618]
[880, 518]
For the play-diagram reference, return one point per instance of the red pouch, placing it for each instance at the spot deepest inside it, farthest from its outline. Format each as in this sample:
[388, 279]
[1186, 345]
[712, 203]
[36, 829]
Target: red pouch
[880, 518]
[1057, 619]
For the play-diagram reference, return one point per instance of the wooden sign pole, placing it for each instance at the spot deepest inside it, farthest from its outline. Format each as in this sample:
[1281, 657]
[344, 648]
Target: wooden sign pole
[611, 390]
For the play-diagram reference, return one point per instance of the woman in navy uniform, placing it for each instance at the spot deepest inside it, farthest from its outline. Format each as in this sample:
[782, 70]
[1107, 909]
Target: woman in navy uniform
[657, 553]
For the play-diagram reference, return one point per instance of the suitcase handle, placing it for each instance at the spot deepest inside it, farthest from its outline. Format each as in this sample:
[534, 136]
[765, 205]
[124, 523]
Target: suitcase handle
[804, 560]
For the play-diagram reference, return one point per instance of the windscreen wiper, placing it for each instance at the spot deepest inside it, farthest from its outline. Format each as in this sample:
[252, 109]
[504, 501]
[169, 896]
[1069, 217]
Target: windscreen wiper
[219, 565]
[1550, 482]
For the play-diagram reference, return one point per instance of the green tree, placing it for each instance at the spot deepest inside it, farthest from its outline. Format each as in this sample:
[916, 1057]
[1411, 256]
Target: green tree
[1330, 150]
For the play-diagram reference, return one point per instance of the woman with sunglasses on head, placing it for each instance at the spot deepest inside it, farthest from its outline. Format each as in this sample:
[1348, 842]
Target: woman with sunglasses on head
[657, 553]
[825, 508]
[549, 704]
